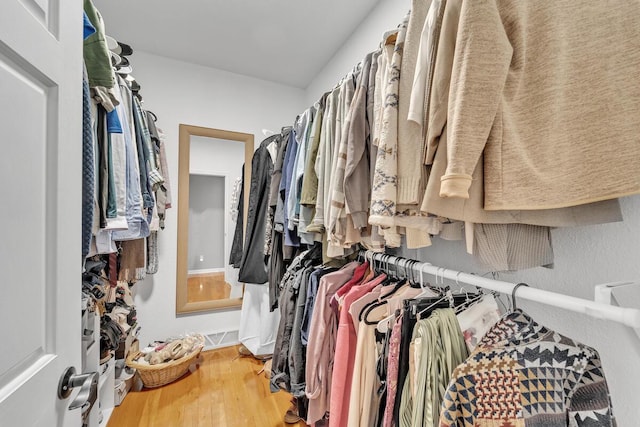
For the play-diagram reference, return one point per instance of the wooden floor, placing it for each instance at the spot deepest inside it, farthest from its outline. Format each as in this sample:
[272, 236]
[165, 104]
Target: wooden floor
[207, 287]
[222, 392]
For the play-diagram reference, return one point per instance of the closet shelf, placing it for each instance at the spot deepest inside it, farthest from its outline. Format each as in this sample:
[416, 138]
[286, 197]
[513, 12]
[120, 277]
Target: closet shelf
[627, 316]
[106, 414]
[108, 372]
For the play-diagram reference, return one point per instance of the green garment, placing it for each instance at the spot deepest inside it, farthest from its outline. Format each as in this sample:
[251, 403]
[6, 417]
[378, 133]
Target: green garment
[440, 347]
[96, 53]
[310, 179]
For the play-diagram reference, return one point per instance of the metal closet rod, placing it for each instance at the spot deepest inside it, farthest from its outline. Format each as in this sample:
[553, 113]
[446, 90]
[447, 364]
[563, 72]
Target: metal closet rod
[626, 316]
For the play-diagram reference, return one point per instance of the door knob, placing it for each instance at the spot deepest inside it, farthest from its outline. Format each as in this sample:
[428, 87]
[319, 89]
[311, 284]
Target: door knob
[88, 384]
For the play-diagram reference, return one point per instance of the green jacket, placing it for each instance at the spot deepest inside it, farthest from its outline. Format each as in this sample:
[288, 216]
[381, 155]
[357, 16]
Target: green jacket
[96, 53]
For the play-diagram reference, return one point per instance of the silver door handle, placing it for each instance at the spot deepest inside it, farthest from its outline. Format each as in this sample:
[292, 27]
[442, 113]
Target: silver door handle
[88, 384]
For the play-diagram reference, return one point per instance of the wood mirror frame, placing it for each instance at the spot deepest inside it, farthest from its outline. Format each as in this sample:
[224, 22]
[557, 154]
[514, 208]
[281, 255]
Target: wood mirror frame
[186, 132]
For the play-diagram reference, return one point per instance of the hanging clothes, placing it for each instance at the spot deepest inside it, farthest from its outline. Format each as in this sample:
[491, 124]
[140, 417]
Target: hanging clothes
[499, 99]
[289, 360]
[258, 324]
[472, 209]
[439, 348]
[357, 181]
[412, 174]
[385, 185]
[137, 217]
[346, 341]
[235, 255]
[309, 190]
[253, 268]
[291, 284]
[352, 169]
[392, 371]
[303, 129]
[363, 402]
[97, 59]
[321, 344]
[291, 237]
[523, 373]
[323, 163]
[88, 167]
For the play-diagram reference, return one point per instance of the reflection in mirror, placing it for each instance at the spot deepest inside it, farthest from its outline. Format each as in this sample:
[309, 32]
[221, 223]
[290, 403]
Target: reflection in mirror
[206, 249]
[210, 178]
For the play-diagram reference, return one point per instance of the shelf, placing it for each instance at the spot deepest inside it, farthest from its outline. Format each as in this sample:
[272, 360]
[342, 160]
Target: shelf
[106, 414]
[108, 373]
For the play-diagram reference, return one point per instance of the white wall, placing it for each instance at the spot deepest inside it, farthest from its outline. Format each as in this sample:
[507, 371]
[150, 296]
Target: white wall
[180, 92]
[387, 15]
[584, 256]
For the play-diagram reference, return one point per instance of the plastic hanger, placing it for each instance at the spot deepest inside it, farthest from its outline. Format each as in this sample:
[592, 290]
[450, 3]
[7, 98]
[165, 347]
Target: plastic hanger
[383, 325]
[471, 299]
[378, 303]
[426, 290]
[448, 297]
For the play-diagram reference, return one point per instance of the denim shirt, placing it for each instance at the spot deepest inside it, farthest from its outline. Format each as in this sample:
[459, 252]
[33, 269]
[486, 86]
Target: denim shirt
[312, 290]
[143, 155]
[138, 227]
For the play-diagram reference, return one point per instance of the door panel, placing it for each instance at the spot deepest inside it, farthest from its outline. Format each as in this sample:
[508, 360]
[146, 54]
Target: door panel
[25, 274]
[38, 8]
[40, 192]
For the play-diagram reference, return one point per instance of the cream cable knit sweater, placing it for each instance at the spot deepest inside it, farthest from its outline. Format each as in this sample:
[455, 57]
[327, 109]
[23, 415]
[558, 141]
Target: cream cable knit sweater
[385, 182]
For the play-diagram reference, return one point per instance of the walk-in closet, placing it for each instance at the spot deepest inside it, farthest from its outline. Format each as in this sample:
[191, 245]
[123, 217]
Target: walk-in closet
[373, 213]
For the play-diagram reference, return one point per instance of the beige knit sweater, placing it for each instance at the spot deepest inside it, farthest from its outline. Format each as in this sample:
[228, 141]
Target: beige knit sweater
[549, 92]
[471, 209]
[412, 177]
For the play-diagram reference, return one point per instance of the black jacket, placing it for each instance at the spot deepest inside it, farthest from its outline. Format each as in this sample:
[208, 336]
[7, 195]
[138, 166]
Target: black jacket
[253, 267]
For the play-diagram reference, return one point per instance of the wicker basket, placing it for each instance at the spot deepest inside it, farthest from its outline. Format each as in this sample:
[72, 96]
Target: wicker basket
[163, 373]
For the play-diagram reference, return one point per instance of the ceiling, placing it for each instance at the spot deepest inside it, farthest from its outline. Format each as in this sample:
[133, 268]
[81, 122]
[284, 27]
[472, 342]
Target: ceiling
[284, 41]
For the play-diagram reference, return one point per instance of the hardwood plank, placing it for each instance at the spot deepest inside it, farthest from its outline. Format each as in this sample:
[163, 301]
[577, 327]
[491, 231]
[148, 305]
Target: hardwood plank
[207, 287]
[224, 391]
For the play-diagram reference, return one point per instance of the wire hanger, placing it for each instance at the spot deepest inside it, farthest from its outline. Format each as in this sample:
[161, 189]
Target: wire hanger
[513, 295]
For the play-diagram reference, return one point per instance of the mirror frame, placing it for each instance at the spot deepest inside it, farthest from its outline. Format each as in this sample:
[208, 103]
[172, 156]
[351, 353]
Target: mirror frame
[183, 306]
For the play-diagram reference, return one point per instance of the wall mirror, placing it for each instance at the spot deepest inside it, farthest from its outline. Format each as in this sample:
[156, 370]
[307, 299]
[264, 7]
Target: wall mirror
[209, 170]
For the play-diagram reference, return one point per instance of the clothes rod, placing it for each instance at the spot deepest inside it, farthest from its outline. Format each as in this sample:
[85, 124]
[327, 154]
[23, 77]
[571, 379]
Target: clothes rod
[627, 316]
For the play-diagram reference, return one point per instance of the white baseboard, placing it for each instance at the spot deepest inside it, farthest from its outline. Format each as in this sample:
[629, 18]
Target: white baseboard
[206, 271]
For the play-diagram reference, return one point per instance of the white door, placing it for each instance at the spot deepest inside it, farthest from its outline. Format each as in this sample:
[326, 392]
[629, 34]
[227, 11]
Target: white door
[40, 208]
